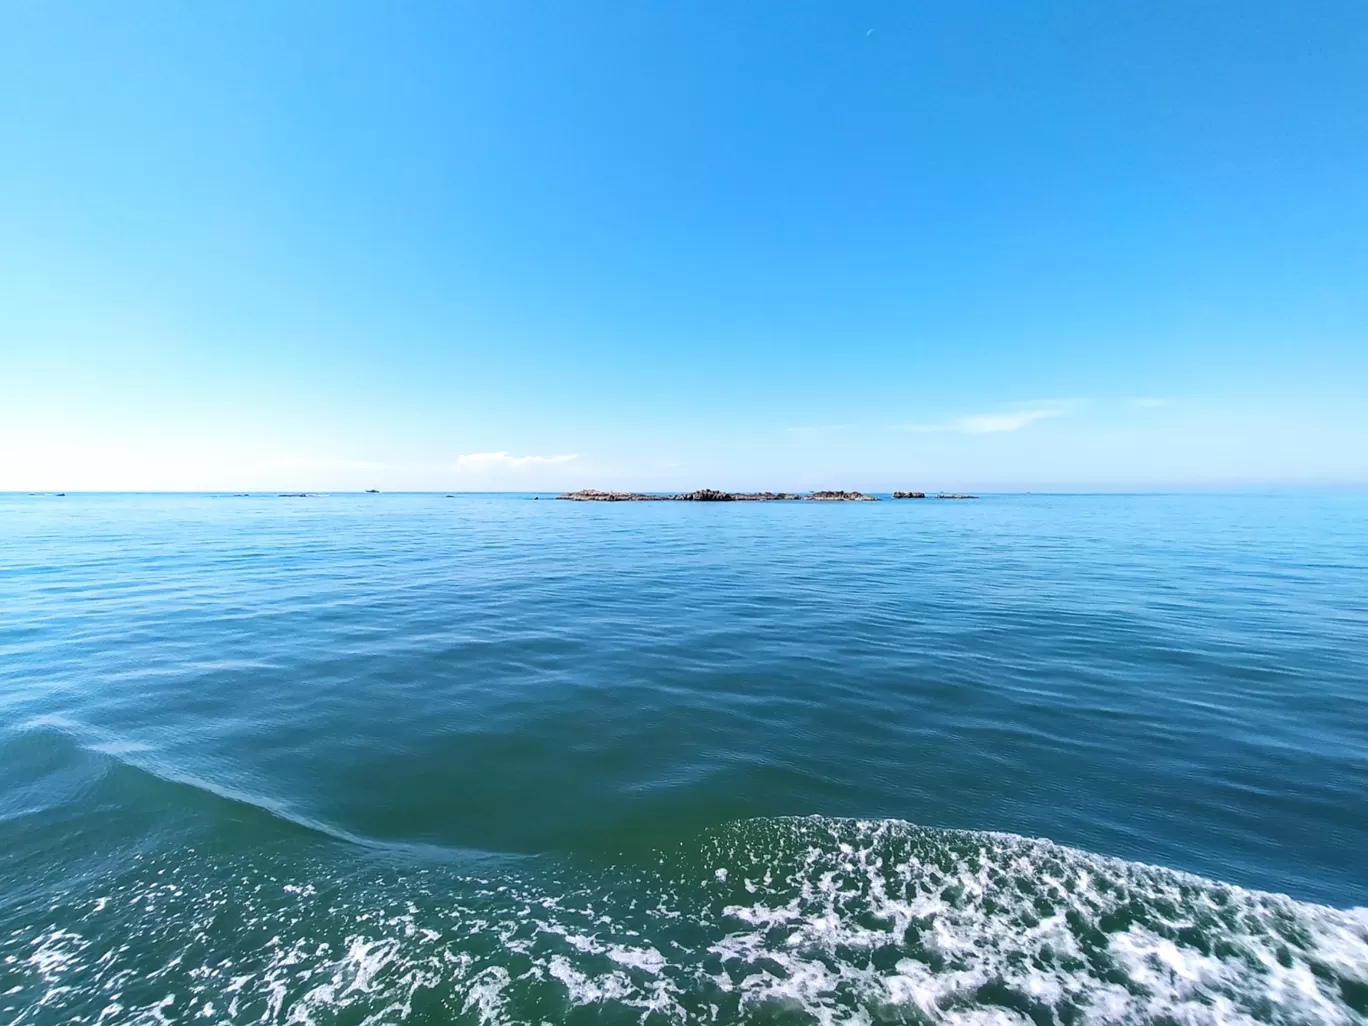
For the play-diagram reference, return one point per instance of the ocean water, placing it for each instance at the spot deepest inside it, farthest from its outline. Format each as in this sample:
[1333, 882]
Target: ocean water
[408, 758]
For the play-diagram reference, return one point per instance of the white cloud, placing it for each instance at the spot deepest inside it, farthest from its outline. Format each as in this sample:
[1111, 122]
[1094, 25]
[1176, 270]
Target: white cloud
[503, 459]
[990, 423]
[324, 463]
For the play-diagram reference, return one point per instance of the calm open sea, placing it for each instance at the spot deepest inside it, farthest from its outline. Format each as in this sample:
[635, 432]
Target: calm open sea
[409, 758]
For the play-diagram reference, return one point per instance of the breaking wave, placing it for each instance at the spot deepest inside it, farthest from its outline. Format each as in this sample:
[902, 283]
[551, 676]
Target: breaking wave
[775, 920]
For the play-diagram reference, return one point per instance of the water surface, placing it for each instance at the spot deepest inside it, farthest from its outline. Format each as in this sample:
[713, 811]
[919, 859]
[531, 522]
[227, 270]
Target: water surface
[412, 758]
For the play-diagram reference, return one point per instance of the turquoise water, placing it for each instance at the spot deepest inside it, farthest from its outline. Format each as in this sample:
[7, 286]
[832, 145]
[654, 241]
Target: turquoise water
[408, 758]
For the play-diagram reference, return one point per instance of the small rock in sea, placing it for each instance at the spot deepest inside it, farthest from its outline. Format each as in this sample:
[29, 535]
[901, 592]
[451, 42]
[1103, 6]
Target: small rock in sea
[830, 496]
[951, 495]
[909, 495]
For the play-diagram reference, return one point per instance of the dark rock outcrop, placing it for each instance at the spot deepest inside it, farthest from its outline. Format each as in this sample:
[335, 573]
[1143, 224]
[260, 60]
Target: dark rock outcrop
[950, 495]
[909, 495]
[594, 495]
[714, 495]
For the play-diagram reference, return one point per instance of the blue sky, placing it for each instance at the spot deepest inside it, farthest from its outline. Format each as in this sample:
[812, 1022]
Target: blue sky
[770, 244]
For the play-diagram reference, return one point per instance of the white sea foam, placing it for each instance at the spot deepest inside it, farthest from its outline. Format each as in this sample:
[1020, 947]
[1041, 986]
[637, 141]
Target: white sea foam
[993, 925]
[815, 920]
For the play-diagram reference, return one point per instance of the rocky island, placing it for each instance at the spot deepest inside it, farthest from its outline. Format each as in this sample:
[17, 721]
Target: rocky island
[939, 495]
[713, 495]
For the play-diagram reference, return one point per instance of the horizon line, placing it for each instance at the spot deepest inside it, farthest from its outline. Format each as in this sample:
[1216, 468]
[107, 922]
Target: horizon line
[1173, 489]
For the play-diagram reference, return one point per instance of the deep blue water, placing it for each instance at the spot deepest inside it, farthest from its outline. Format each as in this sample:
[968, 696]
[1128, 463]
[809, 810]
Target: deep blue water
[384, 758]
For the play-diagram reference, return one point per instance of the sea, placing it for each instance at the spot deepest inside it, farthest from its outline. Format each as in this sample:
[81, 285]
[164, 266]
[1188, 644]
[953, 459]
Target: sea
[478, 758]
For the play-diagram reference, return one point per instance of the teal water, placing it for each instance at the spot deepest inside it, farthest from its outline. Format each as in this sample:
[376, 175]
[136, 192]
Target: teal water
[408, 758]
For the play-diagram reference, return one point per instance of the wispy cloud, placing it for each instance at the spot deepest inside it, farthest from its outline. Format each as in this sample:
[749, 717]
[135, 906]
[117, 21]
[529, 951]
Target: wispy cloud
[991, 423]
[302, 462]
[503, 459]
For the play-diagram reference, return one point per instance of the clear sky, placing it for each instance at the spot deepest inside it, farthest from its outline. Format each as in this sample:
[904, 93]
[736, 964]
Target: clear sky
[783, 244]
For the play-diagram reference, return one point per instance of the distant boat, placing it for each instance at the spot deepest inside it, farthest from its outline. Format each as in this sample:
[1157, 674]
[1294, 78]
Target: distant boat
[372, 491]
